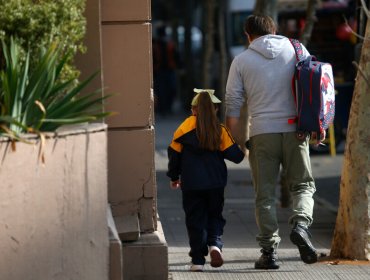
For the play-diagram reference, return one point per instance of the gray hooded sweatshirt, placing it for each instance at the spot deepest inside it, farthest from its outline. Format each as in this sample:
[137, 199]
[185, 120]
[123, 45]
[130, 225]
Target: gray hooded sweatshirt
[262, 76]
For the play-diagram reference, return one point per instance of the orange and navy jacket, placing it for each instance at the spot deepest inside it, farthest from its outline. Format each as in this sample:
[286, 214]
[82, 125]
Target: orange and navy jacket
[200, 169]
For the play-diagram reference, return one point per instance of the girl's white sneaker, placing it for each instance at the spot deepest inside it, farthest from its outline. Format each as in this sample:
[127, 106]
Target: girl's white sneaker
[196, 268]
[216, 256]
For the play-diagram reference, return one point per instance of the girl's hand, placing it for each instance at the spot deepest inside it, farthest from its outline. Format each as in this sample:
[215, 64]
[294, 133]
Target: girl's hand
[175, 184]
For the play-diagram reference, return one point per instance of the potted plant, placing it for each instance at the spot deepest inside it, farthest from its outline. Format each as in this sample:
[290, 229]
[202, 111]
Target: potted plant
[39, 101]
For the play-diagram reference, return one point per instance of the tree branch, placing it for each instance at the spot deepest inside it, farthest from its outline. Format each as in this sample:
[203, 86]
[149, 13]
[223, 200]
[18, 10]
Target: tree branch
[361, 73]
[363, 4]
[353, 32]
[310, 21]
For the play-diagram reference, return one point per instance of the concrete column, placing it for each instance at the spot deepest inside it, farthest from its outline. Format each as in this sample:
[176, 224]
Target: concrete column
[127, 73]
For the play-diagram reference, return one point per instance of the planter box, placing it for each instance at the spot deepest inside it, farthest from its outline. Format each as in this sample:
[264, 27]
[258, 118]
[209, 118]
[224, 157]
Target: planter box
[53, 216]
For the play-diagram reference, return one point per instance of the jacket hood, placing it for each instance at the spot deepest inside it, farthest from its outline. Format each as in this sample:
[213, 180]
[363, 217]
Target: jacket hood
[270, 46]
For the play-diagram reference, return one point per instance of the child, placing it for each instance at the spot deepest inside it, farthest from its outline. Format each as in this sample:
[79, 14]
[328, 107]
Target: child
[196, 164]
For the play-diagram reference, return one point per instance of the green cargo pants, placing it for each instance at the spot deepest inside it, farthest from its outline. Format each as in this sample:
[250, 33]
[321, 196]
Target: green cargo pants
[267, 153]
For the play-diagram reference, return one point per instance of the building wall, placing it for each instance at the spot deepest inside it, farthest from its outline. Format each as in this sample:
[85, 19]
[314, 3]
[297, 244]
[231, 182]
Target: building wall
[90, 62]
[119, 43]
[126, 64]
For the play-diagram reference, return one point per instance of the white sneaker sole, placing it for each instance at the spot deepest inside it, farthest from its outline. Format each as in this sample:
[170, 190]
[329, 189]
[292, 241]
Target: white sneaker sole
[196, 268]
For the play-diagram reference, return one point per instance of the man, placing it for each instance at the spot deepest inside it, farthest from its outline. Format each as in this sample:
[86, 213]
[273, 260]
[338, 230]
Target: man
[262, 77]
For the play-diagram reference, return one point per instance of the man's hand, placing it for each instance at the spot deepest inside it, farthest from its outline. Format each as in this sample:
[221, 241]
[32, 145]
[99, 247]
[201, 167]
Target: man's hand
[318, 137]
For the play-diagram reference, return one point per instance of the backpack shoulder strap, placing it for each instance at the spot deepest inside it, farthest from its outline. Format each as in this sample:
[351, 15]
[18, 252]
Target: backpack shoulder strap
[297, 48]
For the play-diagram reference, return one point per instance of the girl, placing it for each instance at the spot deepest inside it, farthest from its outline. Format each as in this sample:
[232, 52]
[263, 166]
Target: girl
[196, 164]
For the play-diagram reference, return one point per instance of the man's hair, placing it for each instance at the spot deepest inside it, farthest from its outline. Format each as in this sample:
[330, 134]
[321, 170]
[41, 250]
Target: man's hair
[259, 25]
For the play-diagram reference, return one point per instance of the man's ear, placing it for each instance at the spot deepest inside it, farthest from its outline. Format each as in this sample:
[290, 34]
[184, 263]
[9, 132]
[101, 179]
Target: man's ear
[248, 37]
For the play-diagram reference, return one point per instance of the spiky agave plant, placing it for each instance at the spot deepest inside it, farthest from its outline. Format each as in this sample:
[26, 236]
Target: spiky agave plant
[32, 99]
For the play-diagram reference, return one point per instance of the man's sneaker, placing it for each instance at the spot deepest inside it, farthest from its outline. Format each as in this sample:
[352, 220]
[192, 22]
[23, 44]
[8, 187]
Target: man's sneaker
[216, 256]
[267, 260]
[197, 268]
[300, 236]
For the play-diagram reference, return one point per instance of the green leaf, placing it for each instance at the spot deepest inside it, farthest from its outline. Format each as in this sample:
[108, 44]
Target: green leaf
[33, 98]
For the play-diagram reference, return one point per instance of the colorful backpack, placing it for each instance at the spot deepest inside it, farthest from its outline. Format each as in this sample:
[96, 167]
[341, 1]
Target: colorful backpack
[313, 89]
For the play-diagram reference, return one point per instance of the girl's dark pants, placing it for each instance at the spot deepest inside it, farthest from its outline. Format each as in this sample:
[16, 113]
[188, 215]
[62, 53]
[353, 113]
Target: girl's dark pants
[204, 221]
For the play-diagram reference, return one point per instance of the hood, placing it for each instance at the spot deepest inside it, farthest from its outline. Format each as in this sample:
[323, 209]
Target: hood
[270, 46]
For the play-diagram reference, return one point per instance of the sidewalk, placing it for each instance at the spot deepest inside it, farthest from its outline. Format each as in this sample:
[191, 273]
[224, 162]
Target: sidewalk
[241, 249]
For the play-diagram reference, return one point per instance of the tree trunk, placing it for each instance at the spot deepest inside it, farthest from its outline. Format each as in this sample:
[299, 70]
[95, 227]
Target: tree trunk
[223, 50]
[352, 230]
[310, 21]
[209, 31]
[266, 7]
[189, 63]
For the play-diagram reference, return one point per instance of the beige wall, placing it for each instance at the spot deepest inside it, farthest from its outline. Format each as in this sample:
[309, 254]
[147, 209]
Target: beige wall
[125, 11]
[127, 74]
[90, 62]
[126, 60]
[53, 216]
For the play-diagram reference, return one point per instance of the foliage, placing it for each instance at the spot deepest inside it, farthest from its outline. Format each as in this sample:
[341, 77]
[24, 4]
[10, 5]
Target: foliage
[41, 22]
[34, 101]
